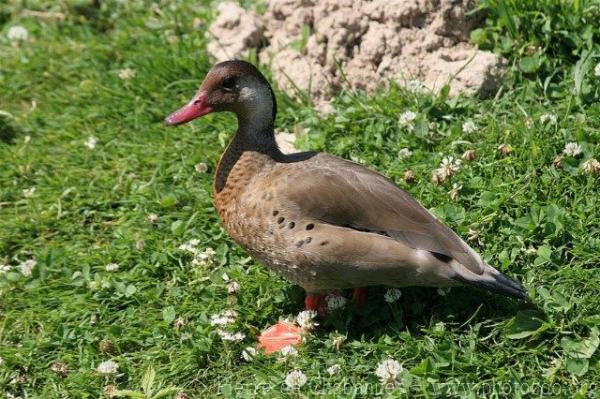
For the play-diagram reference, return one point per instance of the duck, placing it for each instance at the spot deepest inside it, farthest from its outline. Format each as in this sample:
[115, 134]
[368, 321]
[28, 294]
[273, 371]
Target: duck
[323, 222]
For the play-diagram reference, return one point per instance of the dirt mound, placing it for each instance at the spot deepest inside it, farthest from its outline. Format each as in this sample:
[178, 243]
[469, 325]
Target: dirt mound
[320, 46]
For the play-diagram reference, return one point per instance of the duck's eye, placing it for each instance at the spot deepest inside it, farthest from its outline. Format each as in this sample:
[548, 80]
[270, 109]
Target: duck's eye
[229, 83]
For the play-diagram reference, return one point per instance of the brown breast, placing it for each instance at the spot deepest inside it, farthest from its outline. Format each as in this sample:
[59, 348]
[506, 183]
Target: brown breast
[237, 173]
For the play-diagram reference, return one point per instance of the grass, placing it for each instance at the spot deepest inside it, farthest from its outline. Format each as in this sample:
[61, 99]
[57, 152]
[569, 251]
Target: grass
[536, 222]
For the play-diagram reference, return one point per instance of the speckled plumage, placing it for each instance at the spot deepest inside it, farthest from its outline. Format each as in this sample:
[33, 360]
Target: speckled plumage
[324, 222]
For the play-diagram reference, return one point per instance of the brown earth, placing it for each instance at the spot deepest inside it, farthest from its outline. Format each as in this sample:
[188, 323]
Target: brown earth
[322, 46]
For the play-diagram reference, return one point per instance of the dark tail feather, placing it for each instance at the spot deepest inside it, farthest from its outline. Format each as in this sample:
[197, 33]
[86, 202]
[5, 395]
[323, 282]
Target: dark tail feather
[503, 285]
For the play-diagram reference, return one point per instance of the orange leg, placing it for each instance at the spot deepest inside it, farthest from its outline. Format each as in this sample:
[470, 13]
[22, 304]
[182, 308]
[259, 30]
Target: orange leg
[359, 295]
[316, 302]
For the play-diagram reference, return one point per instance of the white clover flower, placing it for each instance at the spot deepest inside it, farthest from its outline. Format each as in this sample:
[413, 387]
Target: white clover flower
[450, 163]
[223, 319]
[204, 258]
[295, 379]
[249, 353]
[216, 320]
[473, 235]
[288, 351]
[392, 295]
[409, 176]
[404, 153]
[591, 166]
[597, 70]
[227, 336]
[469, 127]
[19, 379]
[171, 38]
[505, 149]
[448, 167]
[407, 120]
[91, 142]
[5, 269]
[548, 118]
[335, 302]
[111, 267]
[238, 336]
[572, 149]
[469, 155]
[153, 218]
[201, 167]
[388, 371]
[337, 340]
[558, 161]
[126, 74]
[190, 246]
[17, 33]
[333, 370]
[179, 322]
[29, 192]
[27, 267]
[531, 250]
[443, 291]
[406, 117]
[27, 139]
[415, 86]
[306, 320]
[59, 369]
[454, 191]
[107, 367]
[233, 287]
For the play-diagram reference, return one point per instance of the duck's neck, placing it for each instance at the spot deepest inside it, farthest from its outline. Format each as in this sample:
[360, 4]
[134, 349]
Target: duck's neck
[256, 132]
[256, 120]
[255, 135]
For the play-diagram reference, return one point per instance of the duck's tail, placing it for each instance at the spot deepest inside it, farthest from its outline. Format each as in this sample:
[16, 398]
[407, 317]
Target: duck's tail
[488, 278]
[495, 281]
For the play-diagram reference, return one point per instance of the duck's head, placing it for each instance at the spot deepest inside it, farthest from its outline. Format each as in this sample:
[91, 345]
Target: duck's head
[234, 86]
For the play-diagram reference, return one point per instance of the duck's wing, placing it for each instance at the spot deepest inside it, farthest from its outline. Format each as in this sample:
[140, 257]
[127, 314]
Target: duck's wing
[342, 193]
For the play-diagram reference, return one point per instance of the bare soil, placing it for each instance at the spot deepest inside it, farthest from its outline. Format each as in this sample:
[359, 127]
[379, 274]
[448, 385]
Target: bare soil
[322, 46]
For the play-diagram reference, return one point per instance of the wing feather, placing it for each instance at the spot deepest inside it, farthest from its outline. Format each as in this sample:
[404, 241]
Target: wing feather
[343, 193]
